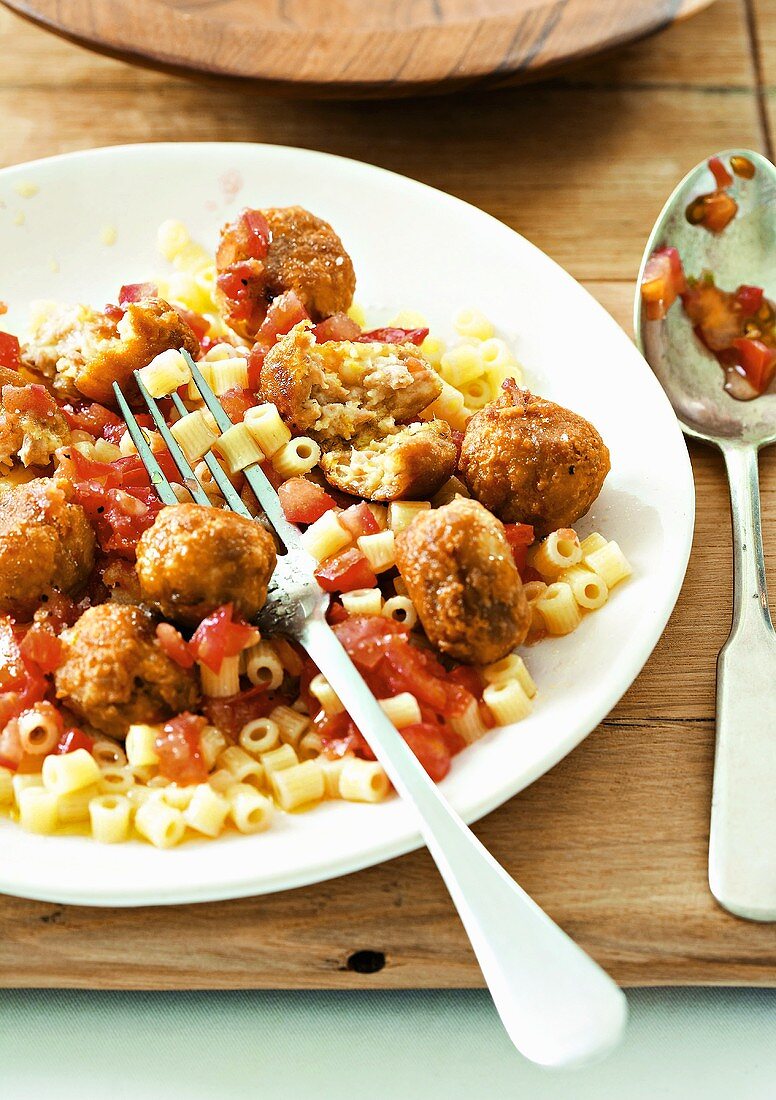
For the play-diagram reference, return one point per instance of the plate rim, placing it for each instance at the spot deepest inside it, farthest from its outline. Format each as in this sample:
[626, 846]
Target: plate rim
[407, 839]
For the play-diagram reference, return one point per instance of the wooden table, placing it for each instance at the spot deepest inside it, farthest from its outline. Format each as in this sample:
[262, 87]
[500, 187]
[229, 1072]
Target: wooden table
[613, 841]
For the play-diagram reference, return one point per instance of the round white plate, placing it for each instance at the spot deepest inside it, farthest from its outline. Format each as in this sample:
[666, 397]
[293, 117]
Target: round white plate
[413, 248]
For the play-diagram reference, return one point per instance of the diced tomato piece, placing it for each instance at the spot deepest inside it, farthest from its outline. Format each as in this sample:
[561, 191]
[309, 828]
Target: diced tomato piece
[393, 336]
[236, 402]
[359, 519]
[346, 571]
[30, 400]
[43, 647]
[10, 351]
[258, 354]
[757, 360]
[750, 298]
[337, 327]
[722, 177]
[528, 574]
[95, 419]
[135, 292]
[519, 536]
[11, 750]
[174, 645]
[663, 281]
[419, 672]
[72, 740]
[219, 636]
[365, 637]
[257, 232]
[179, 746]
[231, 714]
[285, 311]
[303, 501]
[467, 677]
[428, 744]
[340, 736]
[336, 613]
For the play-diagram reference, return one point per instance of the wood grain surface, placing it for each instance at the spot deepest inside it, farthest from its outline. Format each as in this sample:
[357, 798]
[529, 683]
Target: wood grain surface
[613, 841]
[350, 48]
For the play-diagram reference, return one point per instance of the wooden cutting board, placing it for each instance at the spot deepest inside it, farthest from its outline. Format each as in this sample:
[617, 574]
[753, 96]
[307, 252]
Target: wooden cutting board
[353, 47]
[613, 841]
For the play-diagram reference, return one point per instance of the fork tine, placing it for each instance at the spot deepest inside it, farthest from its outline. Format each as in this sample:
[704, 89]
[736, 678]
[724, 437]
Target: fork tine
[254, 474]
[158, 480]
[231, 496]
[178, 457]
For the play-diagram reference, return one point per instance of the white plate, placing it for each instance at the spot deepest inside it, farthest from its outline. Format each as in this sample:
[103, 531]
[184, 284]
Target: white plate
[413, 247]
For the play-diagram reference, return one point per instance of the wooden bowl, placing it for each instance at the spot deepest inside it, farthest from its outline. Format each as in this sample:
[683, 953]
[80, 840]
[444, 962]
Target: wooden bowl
[341, 48]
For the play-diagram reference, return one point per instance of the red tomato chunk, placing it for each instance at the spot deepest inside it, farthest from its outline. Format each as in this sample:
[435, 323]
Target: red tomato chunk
[303, 501]
[10, 352]
[179, 749]
[346, 572]
[219, 636]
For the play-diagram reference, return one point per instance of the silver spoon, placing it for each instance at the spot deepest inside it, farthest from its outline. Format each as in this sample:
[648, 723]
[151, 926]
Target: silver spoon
[742, 846]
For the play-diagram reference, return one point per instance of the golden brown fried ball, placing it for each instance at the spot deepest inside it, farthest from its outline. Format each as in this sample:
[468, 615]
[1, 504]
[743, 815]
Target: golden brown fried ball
[32, 427]
[461, 576]
[531, 461]
[305, 255]
[340, 388]
[194, 559]
[410, 463]
[114, 672]
[46, 544]
[82, 352]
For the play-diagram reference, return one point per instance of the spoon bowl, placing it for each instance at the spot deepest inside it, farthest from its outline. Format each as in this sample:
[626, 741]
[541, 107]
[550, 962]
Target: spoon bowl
[743, 253]
[742, 840]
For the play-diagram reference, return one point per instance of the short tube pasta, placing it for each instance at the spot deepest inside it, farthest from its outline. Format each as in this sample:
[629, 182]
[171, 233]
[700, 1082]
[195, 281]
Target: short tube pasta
[238, 448]
[298, 785]
[166, 373]
[326, 537]
[291, 724]
[228, 374]
[470, 725]
[260, 735]
[141, 746]
[511, 667]
[379, 550]
[326, 695]
[160, 824]
[558, 609]
[110, 816]
[263, 666]
[244, 767]
[194, 434]
[70, 772]
[363, 601]
[363, 781]
[207, 811]
[401, 513]
[250, 811]
[403, 709]
[39, 730]
[590, 590]
[267, 428]
[560, 550]
[225, 682]
[282, 757]
[38, 810]
[402, 610]
[507, 702]
[297, 457]
[609, 563]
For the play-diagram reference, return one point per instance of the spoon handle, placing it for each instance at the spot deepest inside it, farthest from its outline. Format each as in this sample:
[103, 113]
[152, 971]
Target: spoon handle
[742, 845]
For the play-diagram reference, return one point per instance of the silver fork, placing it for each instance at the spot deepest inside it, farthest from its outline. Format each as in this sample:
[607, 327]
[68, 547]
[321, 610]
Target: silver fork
[557, 1005]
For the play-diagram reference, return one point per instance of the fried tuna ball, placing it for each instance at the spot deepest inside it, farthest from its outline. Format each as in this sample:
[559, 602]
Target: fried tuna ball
[46, 544]
[462, 578]
[114, 672]
[194, 559]
[531, 461]
[304, 255]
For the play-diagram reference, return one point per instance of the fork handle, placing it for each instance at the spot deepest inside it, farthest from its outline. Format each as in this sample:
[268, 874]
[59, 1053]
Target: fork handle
[557, 1005]
[742, 843]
